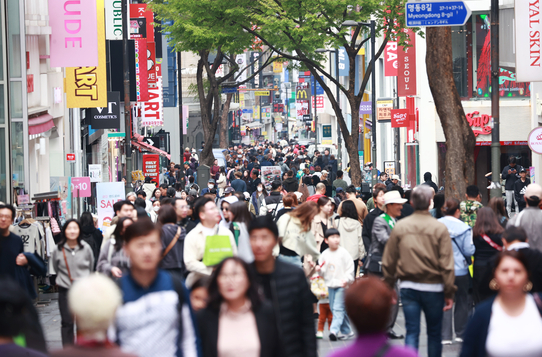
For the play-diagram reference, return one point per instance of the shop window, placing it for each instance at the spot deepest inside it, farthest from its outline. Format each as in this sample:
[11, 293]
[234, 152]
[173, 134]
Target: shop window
[471, 47]
[17, 153]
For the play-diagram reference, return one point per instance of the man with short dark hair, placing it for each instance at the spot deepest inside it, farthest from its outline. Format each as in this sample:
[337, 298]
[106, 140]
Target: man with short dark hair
[471, 205]
[351, 195]
[339, 182]
[519, 189]
[272, 203]
[122, 209]
[510, 173]
[290, 184]
[378, 198]
[254, 181]
[163, 189]
[238, 184]
[267, 160]
[286, 287]
[181, 209]
[210, 186]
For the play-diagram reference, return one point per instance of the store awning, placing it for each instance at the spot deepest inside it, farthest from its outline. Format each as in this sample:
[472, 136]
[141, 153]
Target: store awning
[142, 145]
[40, 124]
[254, 125]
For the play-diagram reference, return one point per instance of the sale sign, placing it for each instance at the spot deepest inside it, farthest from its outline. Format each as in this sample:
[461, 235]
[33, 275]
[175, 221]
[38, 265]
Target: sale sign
[152, 112]
[80, 186]
[107, 194]
[406, 71]
[151, 166]
[74, 33]
[390, 59]
[399, 118]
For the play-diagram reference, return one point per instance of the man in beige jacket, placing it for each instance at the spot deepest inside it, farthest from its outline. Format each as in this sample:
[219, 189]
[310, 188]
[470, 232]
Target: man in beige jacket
[419, 254]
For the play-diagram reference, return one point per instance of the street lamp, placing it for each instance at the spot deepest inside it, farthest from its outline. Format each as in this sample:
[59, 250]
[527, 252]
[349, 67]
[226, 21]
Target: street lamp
[372, 25]
[337, 96]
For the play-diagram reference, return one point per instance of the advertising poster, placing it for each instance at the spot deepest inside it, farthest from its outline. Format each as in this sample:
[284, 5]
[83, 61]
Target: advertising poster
[106, 117]
[151, 166]
[142, 92]
[95, 172]
[108, 193]
[152, 113]
[141, 22]
[270, 174]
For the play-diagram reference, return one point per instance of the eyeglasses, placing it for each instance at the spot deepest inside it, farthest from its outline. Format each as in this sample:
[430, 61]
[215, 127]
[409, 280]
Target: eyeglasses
[225, 209]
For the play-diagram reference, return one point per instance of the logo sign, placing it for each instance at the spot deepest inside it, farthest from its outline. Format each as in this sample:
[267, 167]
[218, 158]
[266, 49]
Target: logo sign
[86, 87]
[70, 157]
[95, 173]
[436, 14]
[319, 102]
[307, 117]
[141, 22]
[151, 64]
[80, 186]
[141, 70]
[535, 140]
[113, 19]
[152, 112]
[344, 62]
[151, 166]
[365, 108]
[479, 122]
[261, 93]
[528, 23]
[406, 71]
[399, 118]
[107, 117]
[383, 109]
[74, 33]
[390, 60]
[389, 166]
[108, 193]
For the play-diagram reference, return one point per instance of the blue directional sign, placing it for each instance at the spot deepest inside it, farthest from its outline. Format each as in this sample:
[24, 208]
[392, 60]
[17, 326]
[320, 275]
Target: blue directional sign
[229, 89]
[437, 13]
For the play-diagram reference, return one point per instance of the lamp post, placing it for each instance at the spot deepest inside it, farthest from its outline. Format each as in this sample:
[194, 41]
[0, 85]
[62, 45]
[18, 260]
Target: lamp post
[371, 25]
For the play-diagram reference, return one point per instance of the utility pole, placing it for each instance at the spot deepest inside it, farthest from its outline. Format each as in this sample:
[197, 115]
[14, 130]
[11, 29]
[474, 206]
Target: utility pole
[127, 111]
[495, 133]
[338, 98]
[373, 95]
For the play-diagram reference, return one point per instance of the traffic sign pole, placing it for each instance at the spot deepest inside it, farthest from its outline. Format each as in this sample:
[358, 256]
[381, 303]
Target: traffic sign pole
[436, 13]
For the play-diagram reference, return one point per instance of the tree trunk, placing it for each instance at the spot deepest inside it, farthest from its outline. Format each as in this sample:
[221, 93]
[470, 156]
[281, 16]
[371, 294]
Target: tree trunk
[460, 140]
[224, 129]
[205, 103]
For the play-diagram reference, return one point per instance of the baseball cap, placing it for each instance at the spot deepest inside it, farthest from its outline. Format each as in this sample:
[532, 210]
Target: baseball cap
[522, 170]
[339, 189]
[533, 190]
[211, 180]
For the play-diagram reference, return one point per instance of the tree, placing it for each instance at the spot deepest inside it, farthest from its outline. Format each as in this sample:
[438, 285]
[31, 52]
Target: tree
[295, 29]
[460, 140]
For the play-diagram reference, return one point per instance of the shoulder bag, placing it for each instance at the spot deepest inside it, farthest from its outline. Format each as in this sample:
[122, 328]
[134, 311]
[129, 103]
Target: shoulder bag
[67, 266]
[172, 243]
[491, 243]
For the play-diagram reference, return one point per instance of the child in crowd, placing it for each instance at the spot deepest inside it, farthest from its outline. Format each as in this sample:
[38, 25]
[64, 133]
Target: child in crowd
[199, 294]
[337, 269]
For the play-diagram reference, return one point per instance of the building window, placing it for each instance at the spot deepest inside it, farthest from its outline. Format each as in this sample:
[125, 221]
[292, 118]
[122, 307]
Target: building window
[471, 47]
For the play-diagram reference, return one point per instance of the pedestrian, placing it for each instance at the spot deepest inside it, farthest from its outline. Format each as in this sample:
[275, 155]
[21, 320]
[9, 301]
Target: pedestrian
[336, 267]
[257, 199]
[510, 173]
[156, 195]
[92, 235]
[131, 196]
[272, 203]
[339, 182]
[149, 187]
[322, 221]
[378, 198]
[304, 189]
[351, 233]
[238, 184]
[530, 219]
[290, 183]
[16, 312]
[184, 219]
[368, 303]
[320, 191]
[285, 285]
[221, 181]
[509, 324]
[471, 205]
[296, 238]
[195, 242]
[72, 259]
[438, 203]
[155, 318]
[498, 207]
[427, 177]
[289, 203]
[487, 234]
[210, 186]
[87, 297]
[419, 254]
[122, 209]
[236, 322]
[407, 207]
[239, 218]
[199, 294]
[351, 195]
[172, 237]
[224, 209]
[214, 170]
[520, 186]
[463, 248]
[113, 260]
[254, 182]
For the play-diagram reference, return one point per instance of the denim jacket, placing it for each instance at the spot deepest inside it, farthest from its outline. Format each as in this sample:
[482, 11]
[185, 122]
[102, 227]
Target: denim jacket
[461, 235]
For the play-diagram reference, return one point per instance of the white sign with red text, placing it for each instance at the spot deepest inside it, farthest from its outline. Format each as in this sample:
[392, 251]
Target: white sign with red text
[152, 111]
[535, 140]
[528, 36]
[107, 194]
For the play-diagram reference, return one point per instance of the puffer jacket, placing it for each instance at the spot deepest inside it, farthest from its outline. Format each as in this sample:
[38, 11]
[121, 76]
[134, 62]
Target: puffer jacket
[292, 303]
[351, 239]
[461, 235]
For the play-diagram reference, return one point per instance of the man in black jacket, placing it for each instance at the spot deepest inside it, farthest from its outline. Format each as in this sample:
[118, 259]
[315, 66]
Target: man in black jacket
[510, 173]
[378, 198]
[291, 184]
[429, 181]
[286, 287]
[519, 189]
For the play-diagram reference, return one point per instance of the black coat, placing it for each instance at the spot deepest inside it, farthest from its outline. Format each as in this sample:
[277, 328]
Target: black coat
[366, 232]
[291, 184]
[292, 302]
[265, 321]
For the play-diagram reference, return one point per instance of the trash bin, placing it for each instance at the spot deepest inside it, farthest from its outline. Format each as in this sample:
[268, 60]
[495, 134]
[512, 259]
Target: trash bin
[204, 173]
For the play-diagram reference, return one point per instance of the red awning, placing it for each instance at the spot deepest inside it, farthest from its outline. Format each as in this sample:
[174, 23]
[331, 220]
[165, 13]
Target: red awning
[40, 124]
[145, 146]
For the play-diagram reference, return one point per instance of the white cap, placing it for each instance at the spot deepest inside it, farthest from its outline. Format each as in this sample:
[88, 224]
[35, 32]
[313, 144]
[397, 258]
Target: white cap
[393, 197]
[395, 177]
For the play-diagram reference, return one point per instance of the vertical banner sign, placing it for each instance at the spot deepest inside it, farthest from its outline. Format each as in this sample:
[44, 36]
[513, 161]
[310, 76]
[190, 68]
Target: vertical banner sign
[151, 64]
[74, 33]
[151, 166]
[185, 119]
[241, 62]
[106, 117]
[86, 87]
[303, 96]
[528, 36]
[406, 76]
[399, 118]
[108, 194]
[141, 70]
[344, 62]
[390, 60]
[152, 113]
[141, 22]
[113, 19]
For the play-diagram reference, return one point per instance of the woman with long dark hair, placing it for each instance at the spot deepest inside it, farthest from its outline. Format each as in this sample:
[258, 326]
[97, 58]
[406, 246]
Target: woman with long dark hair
[113, 261]
[487, 233]
[246, 176]
[236, 321]
[156, 195]
[72, 259]
[497, 205]
[90, 234]
[239, 218]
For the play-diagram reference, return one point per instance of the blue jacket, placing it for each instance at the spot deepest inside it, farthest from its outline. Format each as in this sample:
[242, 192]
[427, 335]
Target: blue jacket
[239, 185]
[475, 336]
[461, 235]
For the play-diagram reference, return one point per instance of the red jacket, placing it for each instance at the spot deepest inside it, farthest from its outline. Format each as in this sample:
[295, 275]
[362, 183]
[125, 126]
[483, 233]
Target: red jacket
[315, 197]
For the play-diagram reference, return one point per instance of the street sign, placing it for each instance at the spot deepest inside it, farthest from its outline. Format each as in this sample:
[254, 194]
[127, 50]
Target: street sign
[307, 118]
[261, 93]
[152, 141]
[437, 13]
[229, 89]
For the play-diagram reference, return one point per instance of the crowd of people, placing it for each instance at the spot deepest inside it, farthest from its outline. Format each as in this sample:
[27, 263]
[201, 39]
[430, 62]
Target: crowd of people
[249, 268]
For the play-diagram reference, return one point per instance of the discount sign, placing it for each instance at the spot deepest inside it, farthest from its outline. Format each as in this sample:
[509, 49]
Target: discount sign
[80, 186]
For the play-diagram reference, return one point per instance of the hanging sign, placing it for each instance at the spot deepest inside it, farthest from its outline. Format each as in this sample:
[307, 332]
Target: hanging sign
[108, 193]
[151, 64]
[106, 117]
[399, 118]
[383, 109]
[152, 111]
[479, 122]
[528, 34]
[390, 59]
[80, 186]
[535, 140]
[141, 22]
[406, 71]
[151, 166]
[141, 70]
[113, 19]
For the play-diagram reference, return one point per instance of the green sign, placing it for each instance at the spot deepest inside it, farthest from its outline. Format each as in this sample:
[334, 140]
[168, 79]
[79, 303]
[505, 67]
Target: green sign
[326, 131]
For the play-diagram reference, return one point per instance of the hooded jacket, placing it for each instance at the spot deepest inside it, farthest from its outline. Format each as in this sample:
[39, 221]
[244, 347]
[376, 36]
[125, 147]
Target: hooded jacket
[290, 184]
[429, 182]
[461, 235]
[351, 239]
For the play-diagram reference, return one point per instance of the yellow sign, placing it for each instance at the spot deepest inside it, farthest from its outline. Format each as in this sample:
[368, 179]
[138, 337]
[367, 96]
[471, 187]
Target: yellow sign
[327, 142]
[277, 67]
[302, 94]
[86, 87]
[264, 133]
[261, 93]
[242, 99]
[137, 175]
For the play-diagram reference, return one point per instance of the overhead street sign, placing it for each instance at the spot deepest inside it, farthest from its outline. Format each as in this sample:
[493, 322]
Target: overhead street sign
[437, 13]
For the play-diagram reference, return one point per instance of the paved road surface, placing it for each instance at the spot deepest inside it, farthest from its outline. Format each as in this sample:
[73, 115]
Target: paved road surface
[50, 319]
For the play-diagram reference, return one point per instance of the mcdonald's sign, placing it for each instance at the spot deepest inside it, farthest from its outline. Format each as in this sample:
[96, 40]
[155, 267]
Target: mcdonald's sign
[302, 94]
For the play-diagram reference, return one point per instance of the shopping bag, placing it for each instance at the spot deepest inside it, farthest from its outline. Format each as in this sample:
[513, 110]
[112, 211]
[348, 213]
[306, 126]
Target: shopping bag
[217, 248]
[319, 288]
